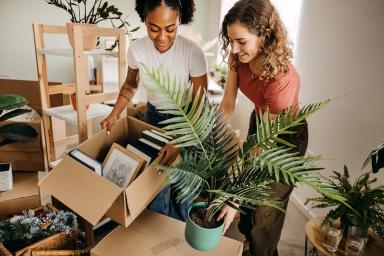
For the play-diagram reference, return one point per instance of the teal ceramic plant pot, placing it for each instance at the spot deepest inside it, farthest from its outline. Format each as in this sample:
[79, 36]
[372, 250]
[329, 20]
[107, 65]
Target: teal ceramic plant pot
[199, 238]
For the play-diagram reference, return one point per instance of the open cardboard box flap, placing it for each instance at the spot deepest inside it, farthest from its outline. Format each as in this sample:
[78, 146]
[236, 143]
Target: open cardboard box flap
[93, 196]
[139, 194]
[85, 192]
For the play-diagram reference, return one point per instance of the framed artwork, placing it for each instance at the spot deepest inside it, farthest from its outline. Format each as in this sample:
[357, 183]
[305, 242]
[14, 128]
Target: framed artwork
[121, 165]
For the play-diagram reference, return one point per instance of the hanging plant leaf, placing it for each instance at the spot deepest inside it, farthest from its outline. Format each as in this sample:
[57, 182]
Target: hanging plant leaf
[14, 113]
[18, 132]
[11, 101]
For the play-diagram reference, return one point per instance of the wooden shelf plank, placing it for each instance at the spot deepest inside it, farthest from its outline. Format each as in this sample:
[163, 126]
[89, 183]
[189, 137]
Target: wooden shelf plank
[69, 115]
[69, 52]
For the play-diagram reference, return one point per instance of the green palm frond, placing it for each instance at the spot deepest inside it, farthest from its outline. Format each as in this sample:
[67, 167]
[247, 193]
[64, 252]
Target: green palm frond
[248, 194]
[268, 131]
[192, 122]
[289, 168]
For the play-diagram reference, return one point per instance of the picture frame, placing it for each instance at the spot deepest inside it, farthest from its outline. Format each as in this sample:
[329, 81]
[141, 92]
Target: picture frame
[121, 165]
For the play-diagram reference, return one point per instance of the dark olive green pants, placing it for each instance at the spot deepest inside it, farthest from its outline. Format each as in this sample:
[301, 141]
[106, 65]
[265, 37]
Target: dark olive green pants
[262, 226]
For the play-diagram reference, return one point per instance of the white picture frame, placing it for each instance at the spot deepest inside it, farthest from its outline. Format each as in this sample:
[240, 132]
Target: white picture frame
[121, 165]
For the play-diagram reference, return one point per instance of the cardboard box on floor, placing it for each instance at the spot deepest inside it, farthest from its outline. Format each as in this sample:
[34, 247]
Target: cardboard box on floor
[92, 196]
[25, 156]
[24, 195]
[155, 234]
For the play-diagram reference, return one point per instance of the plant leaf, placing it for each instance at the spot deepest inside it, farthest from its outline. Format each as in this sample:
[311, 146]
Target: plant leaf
[14, 113]
[18, 132]
[11, 101]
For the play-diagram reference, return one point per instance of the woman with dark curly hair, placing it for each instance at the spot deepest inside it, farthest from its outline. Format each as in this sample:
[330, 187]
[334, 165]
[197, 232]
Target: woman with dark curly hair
[259, 65]
[163, 49]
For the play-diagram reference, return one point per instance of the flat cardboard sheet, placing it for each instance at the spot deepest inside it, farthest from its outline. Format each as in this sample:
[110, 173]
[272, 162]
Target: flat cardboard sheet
[153, 234]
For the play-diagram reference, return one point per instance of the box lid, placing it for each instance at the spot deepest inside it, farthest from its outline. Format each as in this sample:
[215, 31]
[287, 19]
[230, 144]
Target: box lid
[24, 185]
[76, 186]
[153, 234]
[143, 190]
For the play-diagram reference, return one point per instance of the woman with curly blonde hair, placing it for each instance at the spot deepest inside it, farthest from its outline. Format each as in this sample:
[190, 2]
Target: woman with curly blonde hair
[259, 65]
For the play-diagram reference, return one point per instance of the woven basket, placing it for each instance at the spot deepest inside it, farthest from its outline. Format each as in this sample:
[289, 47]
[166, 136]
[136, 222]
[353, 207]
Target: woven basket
[53, 245]
[4, 251]
[57, 241]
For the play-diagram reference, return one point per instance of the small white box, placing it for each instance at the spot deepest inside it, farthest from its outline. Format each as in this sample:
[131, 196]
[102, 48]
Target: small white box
[6, 182]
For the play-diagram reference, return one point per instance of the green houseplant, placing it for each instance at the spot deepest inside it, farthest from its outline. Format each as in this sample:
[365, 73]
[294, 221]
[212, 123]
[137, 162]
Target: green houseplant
[217, 167]
[14, 132]
[366, 203]
[85, 12]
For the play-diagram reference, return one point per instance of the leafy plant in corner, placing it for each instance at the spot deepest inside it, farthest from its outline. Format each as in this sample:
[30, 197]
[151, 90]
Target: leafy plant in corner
[366, 203]
[215, 165]
[81, 11]
[14, 132]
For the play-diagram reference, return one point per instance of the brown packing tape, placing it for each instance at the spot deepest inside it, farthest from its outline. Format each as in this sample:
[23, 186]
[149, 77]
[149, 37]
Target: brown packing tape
[161, 247]
[79, 188]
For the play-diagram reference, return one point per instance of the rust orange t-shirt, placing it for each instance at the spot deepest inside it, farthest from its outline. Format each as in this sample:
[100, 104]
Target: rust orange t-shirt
[277, 94]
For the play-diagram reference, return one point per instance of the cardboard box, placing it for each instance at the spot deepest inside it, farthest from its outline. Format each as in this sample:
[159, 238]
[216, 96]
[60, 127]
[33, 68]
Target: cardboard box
[92, 196]
[155, 234]
[25, 156]
[24, 195]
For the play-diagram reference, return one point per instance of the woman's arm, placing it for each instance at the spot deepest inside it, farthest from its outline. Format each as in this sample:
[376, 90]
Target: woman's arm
[230, 93]
[199, 82]
[125, 96]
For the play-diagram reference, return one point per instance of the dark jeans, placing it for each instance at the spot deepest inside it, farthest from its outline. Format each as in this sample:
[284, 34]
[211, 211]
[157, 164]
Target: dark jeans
[165, 202]
[262, 226]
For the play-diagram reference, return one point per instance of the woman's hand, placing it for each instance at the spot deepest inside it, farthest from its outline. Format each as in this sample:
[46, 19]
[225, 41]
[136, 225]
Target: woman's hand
[168, 154]
[228, 213]
[109, 121]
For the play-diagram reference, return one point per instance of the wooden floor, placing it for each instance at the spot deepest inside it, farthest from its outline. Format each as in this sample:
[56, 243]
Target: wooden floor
[292, 237]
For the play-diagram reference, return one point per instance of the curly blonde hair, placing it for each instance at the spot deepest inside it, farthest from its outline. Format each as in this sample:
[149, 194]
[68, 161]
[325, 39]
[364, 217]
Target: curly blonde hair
[261, 19]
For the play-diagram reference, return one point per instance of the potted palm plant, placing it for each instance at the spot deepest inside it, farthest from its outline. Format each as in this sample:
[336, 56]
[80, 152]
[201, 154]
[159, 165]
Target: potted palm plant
[85, 13]
[217, 167]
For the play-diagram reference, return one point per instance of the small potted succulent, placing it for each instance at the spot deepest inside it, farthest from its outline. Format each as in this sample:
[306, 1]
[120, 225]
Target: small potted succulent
[215, 166]
[85, 13]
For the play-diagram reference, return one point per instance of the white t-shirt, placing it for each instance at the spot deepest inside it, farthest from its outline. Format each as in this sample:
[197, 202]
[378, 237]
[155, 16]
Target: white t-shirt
[184, 59]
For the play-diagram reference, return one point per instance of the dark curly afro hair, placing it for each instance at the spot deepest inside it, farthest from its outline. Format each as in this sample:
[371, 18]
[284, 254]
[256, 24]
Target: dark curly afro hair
[186, 8]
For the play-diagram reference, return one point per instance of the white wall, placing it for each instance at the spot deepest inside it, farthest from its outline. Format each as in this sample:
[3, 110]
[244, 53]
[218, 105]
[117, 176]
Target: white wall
[17, 56]
[340, 55]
